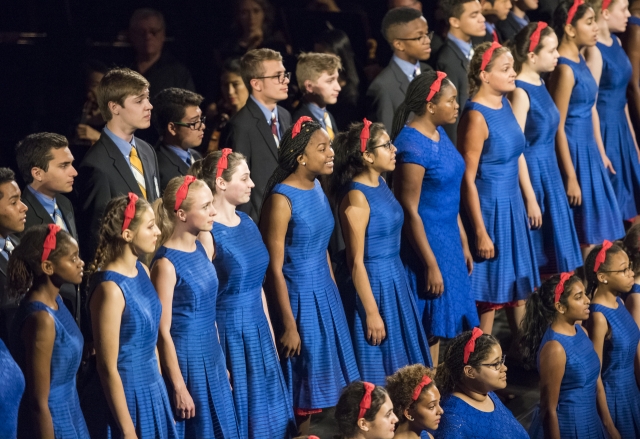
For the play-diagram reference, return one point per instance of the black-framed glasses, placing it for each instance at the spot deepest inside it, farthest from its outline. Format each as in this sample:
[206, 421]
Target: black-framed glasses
[422, 38]
[498, 365]
[388, 146]
[281, 77]
[193, 125]
[625, 271]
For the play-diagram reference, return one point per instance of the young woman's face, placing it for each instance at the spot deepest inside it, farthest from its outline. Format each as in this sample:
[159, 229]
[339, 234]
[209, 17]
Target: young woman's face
[146, 235]
[493, 372]
[426, 411]
[238, 190]
[384, 425]
[546, 59]
[502, 77]
[69, 268]
[617, 15]
[201, 213]
[234, 92]
[384, 154]
[586, 29]
[318, 155]
[620, 276]
[577, 307]
[446, 110]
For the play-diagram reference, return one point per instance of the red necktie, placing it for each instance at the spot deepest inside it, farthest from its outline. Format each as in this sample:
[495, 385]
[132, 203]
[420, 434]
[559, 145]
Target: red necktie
[274, 129]
[495, 36]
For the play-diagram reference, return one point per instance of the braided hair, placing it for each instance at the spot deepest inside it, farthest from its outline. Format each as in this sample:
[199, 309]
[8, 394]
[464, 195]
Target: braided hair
[519, 46]
[561, 14]
[402, 384]
[590, 275]
[348, 407]
[476, 63]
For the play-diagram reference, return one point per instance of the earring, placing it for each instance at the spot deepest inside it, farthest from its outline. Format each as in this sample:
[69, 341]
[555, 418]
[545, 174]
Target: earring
[605, 281]
[409, 417]
[304, 164]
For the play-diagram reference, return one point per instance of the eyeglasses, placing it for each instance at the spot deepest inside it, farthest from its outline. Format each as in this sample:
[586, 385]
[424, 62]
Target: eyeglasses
[498, 365]
[421, 38]
[193, 125]
[389, 146]
[281, 77]
[625, 271]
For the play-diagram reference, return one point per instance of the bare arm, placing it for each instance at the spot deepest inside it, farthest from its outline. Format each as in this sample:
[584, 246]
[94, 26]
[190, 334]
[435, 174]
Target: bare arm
[553, 359]
[520, 105]
[265, 308]
[533, 209]
[633, 132]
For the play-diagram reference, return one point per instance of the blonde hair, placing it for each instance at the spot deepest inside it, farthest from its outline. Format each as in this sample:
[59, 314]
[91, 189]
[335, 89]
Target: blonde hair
[116, 86]
[251, 64]
[312, 65]
[206, 169]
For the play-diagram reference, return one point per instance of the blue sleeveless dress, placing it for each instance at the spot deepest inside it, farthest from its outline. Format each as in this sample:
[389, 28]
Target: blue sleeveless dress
[262, 400]
[616, 133]
[144, 388]
[598, 217]
[454, 311]
[513, 273]
[461, 421]
[326, 363]
[64, 403]
[11, 390]
[618, 377]
[195, 337]
[577, 412]
[406, 342]
[556, 242]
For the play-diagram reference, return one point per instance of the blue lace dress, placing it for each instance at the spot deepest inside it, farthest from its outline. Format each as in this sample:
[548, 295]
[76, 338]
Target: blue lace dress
[11, 390]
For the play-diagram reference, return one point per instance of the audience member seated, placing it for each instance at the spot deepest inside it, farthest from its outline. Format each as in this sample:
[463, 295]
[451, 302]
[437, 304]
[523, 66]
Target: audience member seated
[406, 30]
[465, 22]
[180, 124]
[87, 128]
[517, 19]
[494, 11]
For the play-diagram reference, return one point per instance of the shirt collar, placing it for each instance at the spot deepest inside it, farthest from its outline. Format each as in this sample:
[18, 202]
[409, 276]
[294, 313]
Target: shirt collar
[48, 203]
[184, 155]
[490, 27]
[123, 145]
[462, 45]
[265, 111]
[317, 112]
[406, 67]
[521, 21]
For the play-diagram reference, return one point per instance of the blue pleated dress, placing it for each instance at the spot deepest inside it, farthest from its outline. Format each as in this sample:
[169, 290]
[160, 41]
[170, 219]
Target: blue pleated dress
[618, 377]
[616, 133]
[260, 393]
[513, 273]
[461, 421]
[556, 242]
[326, 363]
[138, 368]
[406, 342]
[11, 390]
[577, 412]
[64, 403]
[455, 310]
[598, 217]
[195, 337]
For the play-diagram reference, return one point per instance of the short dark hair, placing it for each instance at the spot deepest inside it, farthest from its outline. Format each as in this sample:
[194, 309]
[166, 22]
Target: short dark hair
[453, 8]
[396, 17]
[6, 175]
[35, 151]
[169, 106]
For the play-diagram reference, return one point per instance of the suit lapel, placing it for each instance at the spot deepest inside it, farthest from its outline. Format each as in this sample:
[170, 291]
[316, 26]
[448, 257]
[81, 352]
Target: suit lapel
[3, 266]
[463, 59]
[120, 164]
[175, 160]
[36, 207]
[67, 215]
[263, 127]
[403, 81]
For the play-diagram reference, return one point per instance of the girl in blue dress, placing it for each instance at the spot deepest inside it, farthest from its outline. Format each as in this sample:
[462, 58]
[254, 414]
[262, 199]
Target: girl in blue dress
[572, 405]
[296, 223]
[556, 242]
[262, 401]
[127, 398]
[631, 299]
[611, 69]
[581, 154]
[192, 360]
[365, 411]
[472, 370]
[614, 334]
[46, 340]
[495, 181]
[427, 185]
[11, 389]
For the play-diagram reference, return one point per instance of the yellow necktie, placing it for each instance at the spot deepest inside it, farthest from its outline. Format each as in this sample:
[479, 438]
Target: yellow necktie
[138, 170]
[327, 124]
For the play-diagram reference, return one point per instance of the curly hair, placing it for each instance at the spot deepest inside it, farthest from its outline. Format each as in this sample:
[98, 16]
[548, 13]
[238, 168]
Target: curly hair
[519, 46]
[476, 62]
[631, 244]
[206, 169]
[348, 407]
[591, 276]
[561, 14]
[401, 385]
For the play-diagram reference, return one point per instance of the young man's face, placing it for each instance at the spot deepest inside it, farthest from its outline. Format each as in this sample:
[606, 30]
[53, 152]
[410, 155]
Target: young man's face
[471, 21]
[136, 112]
[186, 136]
[58, 179]
[411, 38]
[13, 212]
[326, 88]
[272, 86]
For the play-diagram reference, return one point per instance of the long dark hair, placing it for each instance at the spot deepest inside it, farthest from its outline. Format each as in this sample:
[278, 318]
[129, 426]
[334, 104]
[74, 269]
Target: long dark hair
[348, 407]
[561, 14]
[337, 42]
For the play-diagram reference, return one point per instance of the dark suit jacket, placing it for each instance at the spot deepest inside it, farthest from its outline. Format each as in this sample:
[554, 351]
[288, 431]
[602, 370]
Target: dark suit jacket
[249, 133]
[452, 61]
[170, 165]
[508, 28]
[386, 93]
[104, 174]
[8, 307]
[303, 110]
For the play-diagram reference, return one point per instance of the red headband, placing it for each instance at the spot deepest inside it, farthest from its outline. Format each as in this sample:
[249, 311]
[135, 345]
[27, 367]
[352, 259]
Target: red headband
[605, 4]
[364, 134]
[129, 211]
[560, 287]
[183, 190]
[365, 402]
[486, 56]
[50, 241]
[602, 255]
[535, 36]
[298, 125]
[223, 163]
[435, 87]
[424, 382]
[573, 9]
[471, 344]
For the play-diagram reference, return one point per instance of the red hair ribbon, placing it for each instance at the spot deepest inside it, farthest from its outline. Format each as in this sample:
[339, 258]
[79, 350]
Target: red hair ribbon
[50, 241]
[435, 87]
[486, 56]
[183, 190]
[605, 4]
[471, 344]
[298, 125]
[129, 211]
[560, 287]
[424, 382]
[223, 163]
[573, 9]
[365, 402]
[364, 134]
[602, 255]
[535, 36]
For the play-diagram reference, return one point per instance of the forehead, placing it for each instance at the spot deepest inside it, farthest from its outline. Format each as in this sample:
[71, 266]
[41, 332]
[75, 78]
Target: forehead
[192, 111]
[231, 77]
[150, 22]
[471, 7]
[9, 189]
[272, 66]
[320, 136]
[494, 352]
[61, 153]
[143, 92]
[328, 75]
[419, 24]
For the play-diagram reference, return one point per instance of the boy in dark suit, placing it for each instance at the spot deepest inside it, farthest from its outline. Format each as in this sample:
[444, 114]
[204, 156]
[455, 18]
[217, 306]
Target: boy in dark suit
[118, 163]
[180, 124]
[256, 129]
[494, 11]
[517, 19]
[465, 22]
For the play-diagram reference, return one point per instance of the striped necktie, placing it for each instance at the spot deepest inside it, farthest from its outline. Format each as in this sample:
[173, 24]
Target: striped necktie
[328, 126]
[417, 72]
[58, 219]
[274, 129]
[138, 170]
[7, 249]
